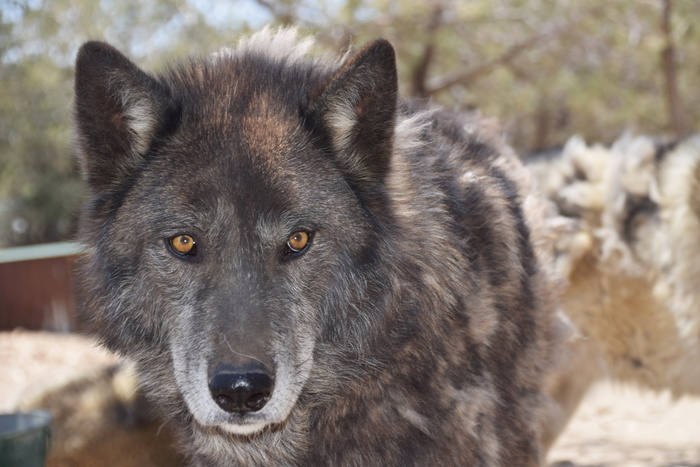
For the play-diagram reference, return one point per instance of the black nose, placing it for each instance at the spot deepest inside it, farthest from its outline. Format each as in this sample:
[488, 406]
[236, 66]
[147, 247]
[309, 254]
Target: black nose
[241, 389]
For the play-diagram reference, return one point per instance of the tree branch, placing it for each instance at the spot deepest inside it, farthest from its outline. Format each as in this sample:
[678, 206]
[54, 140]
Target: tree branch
[284, 14]
[668, 61]
[419, 78]
[466, 76]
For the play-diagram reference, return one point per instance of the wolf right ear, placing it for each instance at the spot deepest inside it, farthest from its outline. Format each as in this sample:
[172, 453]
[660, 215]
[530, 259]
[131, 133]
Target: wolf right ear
[118, 109]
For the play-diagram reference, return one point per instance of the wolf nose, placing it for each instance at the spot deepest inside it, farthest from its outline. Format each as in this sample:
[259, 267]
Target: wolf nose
[241, 389]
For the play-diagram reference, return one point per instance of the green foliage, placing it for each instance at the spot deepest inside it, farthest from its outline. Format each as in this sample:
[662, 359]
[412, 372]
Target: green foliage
[40, 185]
[546, 69]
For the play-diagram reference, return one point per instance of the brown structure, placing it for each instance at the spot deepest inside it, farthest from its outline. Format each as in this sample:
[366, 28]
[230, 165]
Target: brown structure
[36, 290]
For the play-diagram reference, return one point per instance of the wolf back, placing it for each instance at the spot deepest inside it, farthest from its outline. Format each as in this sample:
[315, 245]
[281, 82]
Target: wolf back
[306, 269]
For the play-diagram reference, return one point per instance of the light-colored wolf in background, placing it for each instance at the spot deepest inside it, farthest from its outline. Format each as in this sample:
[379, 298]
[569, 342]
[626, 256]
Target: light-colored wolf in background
[632, 260]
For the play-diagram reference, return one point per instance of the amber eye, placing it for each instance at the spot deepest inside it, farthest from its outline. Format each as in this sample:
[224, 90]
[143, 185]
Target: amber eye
[183, 245]
[297, 241]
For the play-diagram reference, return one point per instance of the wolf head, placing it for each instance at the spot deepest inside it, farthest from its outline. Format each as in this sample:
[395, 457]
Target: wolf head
[233, 201]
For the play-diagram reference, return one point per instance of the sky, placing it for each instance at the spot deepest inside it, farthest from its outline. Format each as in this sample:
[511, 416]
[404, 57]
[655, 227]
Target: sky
[230, 14]
[220, 14]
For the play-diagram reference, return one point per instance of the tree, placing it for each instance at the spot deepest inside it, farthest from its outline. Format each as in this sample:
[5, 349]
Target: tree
[670, 71]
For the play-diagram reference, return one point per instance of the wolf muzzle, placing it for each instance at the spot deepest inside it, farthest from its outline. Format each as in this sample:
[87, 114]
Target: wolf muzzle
[242, 387]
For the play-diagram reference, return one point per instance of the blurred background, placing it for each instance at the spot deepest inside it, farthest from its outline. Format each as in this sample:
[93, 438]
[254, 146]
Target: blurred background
[547, 69]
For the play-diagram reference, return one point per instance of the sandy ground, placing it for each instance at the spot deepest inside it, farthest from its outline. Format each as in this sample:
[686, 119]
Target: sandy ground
[615, 427]
[619, 426]
[32, 361]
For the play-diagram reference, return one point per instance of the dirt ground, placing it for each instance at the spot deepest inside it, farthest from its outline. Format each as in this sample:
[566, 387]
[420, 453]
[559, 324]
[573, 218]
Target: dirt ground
[615, 427]
[32, 362]
[621, 426]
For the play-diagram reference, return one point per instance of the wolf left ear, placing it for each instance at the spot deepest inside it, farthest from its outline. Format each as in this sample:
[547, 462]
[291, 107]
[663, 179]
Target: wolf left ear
[357, 109]
[118, 110]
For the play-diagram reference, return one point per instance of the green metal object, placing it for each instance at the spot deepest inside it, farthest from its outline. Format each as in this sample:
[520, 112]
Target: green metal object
[42, 251]
[25, 438]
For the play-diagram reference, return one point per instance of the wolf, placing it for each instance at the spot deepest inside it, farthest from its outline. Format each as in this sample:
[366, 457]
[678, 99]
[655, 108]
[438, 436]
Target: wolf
[305, 268]
[631, 259]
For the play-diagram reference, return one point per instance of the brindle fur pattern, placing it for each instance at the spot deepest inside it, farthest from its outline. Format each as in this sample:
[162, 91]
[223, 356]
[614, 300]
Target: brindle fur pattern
[417, 327]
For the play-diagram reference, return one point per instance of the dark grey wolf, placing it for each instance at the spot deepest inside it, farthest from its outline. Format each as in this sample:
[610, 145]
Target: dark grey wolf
[307, 270]
[632, 262]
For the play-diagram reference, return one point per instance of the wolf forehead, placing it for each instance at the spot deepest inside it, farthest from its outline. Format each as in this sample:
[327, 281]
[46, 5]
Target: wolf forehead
[244, 92]
[245, 102]
[232, 127]
[241, 128]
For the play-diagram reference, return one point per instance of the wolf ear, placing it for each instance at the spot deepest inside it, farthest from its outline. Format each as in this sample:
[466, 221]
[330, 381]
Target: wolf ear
[357, 109]
[118, 109]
